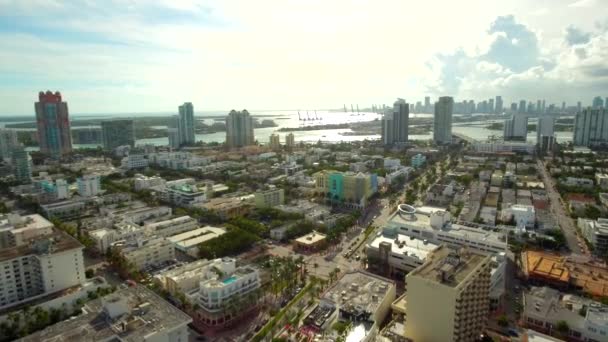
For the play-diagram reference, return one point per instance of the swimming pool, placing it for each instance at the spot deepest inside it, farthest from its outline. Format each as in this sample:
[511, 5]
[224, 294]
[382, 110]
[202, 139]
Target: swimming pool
[229, 280]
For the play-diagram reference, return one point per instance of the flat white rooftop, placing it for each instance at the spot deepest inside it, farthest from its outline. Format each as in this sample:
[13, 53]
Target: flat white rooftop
[422, 222]
[196, 236]
[311, 238]
[405, 245]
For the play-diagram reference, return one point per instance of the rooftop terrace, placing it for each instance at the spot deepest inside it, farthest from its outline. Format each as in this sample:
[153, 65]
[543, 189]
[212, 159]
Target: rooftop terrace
[55, 242]
[147, 314]
[458, 265]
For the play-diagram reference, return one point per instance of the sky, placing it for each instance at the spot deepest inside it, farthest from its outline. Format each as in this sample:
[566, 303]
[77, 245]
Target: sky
[121, 56]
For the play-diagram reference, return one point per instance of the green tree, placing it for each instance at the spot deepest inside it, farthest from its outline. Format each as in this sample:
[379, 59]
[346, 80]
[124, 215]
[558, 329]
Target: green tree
[562, 327]
[502, 321]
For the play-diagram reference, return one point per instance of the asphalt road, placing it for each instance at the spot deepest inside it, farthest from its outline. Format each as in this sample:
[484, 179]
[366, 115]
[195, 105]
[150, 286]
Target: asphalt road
[557, 209]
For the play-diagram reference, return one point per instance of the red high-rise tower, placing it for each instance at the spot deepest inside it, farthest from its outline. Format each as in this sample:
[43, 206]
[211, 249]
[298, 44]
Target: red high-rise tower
[53, 122]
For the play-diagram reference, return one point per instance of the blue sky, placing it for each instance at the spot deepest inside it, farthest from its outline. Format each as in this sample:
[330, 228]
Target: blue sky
[148, 56]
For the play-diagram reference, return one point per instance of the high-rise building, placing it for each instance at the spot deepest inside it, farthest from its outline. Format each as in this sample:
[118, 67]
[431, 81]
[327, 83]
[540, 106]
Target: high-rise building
[427, 104]
[117, 132]
[491, 106]
[538, 107]
[578, 107]
[499, 104]
[606, 103]
[442, 123]
[186, 124]
[173, 132]
[89, 185]
[591, 127]
[290, 140]
[239, 129]
[598, 102]
[545, 135]
[22, 164]
[563, 107]
[451, 289]
[53, 123]
[542, 110]
[516, 128]
[274, 142]
[522, 106]
[8, 141]
[513, 107]
[395, 124]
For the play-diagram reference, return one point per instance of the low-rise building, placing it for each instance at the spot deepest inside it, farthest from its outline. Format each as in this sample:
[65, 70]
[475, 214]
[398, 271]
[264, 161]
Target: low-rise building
[565, 273]
[171, 227]
[434, 225]
[400, 171]
[134, 161]
[142, 182]
[601, 179]
[363, 300]
[596, 233]
[418, 160]
[89, 185]
[269, 198]
[130, 314]
[488, 215]
[183, 194]
[578, 182]
[504, 146]
[148, 253]
[227, 207]
[391, 163]
[396, 254]
[140, 216]
[524, 216]
[63, 210]
[123, 231]
[221, 285]
[545, 309]
[310, 242]
[189, 241]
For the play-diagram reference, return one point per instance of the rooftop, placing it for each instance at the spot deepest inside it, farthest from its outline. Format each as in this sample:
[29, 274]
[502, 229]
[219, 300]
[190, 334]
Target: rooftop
[592, 278]
[55, 242]
[421, 220]
[147, 314]
[405, 245]
[196, 236]
[360, 291]
[311, 238]
[448, 266]
[17, 222]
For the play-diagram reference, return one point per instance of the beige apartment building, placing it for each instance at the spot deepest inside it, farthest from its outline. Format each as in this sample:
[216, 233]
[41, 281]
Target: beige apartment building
[448, 296]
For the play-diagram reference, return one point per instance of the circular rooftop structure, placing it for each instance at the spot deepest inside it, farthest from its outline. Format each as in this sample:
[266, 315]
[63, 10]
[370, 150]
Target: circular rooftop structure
[406, 209]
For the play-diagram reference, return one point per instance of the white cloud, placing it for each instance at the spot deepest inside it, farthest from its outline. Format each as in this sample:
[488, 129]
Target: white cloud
[136, 55]
[584, 3]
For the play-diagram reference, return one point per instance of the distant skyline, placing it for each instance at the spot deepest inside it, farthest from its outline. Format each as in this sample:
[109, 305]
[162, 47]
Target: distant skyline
[150, 56]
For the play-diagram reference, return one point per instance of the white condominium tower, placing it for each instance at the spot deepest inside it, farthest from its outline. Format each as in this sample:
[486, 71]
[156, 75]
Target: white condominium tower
[442, 124]
[591, 127]
[239, 129]
[395, 124]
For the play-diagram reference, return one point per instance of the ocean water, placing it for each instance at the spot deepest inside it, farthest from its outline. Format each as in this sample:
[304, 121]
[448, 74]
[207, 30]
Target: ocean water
[303, 118]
